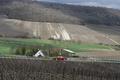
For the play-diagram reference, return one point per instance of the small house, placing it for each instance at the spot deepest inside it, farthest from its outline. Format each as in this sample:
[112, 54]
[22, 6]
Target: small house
[67, 53]
[41, 53]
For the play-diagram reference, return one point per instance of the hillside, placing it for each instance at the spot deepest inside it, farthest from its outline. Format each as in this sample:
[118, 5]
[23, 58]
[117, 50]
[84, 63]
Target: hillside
[44, 20]
[32, 10]
[67, 32]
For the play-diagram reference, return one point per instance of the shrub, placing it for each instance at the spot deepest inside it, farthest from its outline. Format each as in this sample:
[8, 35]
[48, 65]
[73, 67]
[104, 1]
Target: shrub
[75, 56]
[54, 54]
[18, 51]
[1, 35]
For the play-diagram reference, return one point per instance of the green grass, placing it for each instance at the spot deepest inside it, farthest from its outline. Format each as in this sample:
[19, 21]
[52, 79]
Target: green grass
[5, 48]
[78, 50]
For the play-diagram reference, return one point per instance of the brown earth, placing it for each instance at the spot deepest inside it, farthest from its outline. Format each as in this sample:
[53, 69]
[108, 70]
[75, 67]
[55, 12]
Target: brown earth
[97, 50]
[106, 54]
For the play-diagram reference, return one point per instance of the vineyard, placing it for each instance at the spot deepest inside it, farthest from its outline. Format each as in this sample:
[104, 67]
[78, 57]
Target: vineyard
[59, 31]
[24, 69]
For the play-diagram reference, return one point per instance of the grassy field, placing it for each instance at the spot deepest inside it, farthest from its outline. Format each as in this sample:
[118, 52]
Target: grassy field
[77, 47]
[6, 48]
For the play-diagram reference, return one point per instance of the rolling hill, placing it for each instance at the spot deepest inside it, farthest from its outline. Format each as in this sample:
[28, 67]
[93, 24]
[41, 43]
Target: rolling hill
[67, 32]
[44, 20]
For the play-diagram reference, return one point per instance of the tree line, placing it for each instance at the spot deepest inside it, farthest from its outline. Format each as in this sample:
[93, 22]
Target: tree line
[33, 10]
[31, 50]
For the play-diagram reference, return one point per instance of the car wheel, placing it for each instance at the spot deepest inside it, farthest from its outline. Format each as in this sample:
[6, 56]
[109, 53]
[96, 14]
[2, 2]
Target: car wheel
[56, 59]
[64, 59]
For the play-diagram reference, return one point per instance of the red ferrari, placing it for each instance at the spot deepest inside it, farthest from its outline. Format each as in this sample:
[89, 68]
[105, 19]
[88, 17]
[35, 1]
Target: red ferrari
[59, 58]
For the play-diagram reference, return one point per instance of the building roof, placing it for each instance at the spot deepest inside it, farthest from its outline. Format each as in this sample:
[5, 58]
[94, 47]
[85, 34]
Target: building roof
[69, 51]
[41, 53]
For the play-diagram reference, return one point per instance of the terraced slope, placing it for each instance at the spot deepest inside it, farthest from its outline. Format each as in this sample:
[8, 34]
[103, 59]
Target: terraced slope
[45, 30]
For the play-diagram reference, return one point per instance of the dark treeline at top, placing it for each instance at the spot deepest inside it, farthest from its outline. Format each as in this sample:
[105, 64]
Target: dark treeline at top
[33, 10]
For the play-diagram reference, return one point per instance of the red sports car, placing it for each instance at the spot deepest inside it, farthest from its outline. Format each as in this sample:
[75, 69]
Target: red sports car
[59, 58]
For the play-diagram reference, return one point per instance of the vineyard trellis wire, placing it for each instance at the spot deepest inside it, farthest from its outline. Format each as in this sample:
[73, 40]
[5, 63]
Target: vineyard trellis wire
[25, 69]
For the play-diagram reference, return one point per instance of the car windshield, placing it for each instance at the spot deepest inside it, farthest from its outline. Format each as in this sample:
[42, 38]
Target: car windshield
[60, 56]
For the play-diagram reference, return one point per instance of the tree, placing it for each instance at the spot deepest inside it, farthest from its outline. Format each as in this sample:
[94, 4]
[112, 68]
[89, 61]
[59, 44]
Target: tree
[18, 51]
[52, 54]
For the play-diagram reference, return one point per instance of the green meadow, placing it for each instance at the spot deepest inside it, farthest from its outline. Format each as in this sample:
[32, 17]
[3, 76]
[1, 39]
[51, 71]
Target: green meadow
[7, 43]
